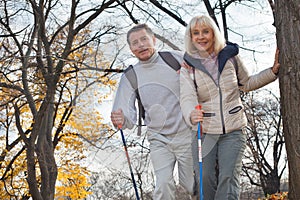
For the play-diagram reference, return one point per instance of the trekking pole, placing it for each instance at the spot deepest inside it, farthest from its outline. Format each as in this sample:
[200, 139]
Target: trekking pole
[198, 107]
[128, 160]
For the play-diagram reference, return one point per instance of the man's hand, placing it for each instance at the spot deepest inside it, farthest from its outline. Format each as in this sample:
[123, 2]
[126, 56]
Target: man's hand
[117, 118]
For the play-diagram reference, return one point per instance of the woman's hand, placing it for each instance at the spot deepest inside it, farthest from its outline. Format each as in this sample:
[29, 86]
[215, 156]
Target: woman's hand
[196, 116]
[186, 66]
[276, 65]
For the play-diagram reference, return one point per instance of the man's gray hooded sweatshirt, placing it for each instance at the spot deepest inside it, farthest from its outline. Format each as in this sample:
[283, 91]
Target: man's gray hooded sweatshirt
[158, 86]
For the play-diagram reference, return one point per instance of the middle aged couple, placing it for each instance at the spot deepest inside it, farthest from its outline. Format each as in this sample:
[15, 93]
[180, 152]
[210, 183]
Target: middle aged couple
[212, 75]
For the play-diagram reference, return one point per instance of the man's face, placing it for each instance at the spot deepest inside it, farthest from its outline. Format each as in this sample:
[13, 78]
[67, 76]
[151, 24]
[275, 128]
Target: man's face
[142, 44]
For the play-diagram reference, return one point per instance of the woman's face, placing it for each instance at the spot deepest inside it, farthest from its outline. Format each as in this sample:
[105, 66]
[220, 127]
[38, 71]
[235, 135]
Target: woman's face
[203, 39]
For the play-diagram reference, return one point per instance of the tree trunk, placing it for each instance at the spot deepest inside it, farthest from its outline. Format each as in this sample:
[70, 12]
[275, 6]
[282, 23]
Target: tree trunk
[45, 154]
[287, 20]
[31, 171]
[41, 145]
[270, 182]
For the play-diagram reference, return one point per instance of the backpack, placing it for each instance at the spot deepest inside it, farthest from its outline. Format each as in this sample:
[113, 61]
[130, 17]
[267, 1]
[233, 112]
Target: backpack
[131, 76]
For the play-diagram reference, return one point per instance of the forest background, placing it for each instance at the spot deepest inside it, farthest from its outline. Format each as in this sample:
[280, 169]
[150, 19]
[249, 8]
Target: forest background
[60, 64]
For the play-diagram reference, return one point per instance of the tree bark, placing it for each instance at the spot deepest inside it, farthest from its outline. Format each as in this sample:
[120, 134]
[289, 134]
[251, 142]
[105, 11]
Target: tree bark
[45, 154]
[42, 147]
[287, 20]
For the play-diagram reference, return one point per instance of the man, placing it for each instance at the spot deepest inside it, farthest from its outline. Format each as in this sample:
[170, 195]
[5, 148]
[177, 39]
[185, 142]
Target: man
[168, 135]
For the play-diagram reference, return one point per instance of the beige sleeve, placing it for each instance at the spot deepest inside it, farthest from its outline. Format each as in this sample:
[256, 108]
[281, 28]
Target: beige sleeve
[253, 82]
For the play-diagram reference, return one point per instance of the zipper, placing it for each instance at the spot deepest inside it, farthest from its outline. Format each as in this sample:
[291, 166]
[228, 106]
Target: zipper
[221, 106]
[220, 93]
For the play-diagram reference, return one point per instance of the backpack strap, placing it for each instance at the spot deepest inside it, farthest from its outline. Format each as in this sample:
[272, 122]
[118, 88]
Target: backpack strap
[131, 76]
[170, 60]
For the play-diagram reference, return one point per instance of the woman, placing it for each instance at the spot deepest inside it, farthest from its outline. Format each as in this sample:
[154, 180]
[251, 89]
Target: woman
[214, 80]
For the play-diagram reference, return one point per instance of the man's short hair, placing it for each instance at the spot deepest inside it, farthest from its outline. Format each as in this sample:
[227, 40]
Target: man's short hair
[139, 27]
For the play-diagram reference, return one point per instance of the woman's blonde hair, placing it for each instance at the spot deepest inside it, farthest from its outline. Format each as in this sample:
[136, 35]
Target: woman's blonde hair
[219, 40]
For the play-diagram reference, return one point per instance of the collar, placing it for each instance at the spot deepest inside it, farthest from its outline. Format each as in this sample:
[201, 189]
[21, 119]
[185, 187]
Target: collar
[151, 59]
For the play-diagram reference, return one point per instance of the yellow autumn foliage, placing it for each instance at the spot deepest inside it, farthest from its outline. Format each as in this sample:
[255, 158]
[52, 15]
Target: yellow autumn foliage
[72, 182]
[276, 196]
[73, 177]
[13, 181]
